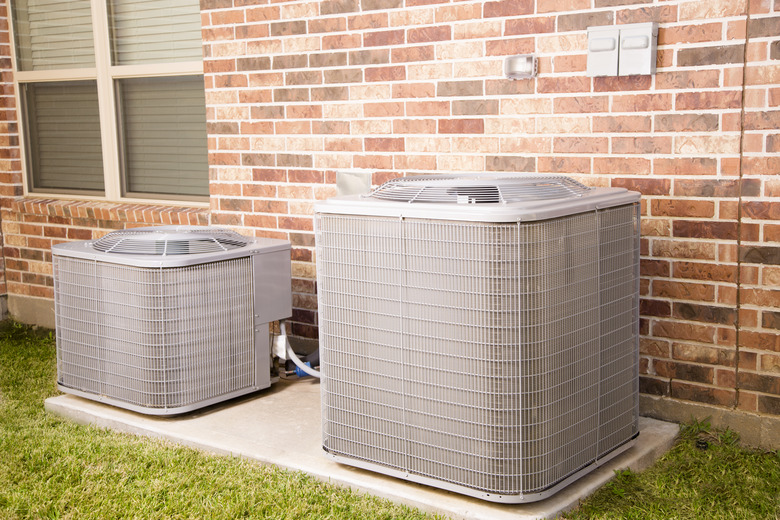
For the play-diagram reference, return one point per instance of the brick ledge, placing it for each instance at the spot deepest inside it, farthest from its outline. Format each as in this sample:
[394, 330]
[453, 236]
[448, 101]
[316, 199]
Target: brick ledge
[131, 213]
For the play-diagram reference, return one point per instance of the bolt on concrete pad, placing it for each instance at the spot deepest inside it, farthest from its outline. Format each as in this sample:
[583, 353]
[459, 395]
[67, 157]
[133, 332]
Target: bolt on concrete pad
[281, 426]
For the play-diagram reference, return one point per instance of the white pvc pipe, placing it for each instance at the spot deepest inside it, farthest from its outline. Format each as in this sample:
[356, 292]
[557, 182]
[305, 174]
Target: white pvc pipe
[294, 357]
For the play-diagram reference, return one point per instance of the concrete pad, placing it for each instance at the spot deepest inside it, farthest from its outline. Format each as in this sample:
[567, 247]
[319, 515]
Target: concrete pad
[257, 427]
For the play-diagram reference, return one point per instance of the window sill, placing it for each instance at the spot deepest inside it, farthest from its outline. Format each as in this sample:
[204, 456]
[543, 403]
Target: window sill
[102, 213]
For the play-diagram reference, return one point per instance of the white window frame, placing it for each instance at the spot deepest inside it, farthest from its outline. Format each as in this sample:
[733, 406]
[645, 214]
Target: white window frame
[105, 75]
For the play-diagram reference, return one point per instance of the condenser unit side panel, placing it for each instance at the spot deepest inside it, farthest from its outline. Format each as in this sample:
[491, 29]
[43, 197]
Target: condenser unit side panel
[462, 367]
[155, 340]
[559, 348]
[360, 265]
[619, 325]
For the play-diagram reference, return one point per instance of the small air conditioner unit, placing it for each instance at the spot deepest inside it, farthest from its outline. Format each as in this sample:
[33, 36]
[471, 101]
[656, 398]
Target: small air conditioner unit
[165, 320]
[479, 333]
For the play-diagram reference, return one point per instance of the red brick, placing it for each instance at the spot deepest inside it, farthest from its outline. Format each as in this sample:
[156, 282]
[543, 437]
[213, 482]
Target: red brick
[621, 83]
[563, 164]
[661, 14]
[531, 26]
[706, 229]
[621, 166]
[684, 371]
[414, 126]
[642, 145]
[296, 223]
[643, 185]
[702, 394]
[581, 104]
[704, 354]
[369, 57]
[429, 34]
[428, 108]
[762, 210]
[654, 267]
[653, 386]
[385, 74]
[759, 340]
[461, 126]
[699, 33]
[570, 63]
[411, 54]
[687, 79]
[384, 109]
[684, 331]
[642, 103]
[384, 144]
[381, 162]
[563, 85]
[580, 145]
[655, 308]
[708, 100]
[260, 221]
[383, 38]
[617, 124]
[683, 207]
[686, 166]
[327, 25]
[509, 46]
[269, 206]
[503, 8]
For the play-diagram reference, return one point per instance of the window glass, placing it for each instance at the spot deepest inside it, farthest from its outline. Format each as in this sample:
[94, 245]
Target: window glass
[63, 128]
[155, 31]
[52, 34]
[163, 129]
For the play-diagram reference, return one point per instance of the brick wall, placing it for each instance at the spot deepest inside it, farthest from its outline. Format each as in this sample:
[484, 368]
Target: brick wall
[10, 167]
[297, 90]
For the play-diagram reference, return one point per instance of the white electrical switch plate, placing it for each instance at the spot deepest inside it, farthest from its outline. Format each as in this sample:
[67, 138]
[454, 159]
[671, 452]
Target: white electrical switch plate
[622, 50]
[603, 51]
[638, 44]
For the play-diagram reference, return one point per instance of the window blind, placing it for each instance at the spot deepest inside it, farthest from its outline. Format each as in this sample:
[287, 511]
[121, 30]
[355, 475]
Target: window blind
[164, 135]
[63, 126]
[155, 31]
[52, 34]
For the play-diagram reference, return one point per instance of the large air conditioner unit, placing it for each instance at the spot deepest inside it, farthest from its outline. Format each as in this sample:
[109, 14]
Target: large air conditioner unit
[165, 320]
[479, 333]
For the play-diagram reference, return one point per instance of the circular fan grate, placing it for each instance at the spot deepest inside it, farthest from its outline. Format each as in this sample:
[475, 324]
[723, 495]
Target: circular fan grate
[478, 189]
[170, 240]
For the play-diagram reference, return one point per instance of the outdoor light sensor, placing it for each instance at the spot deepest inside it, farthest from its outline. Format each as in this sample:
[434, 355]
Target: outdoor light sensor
[522, 66]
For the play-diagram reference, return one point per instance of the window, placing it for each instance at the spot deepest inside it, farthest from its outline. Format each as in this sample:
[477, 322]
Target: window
[112, 97]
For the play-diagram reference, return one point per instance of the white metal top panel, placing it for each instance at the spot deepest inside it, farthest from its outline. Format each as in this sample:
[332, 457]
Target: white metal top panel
[169, 246]
[481, 197]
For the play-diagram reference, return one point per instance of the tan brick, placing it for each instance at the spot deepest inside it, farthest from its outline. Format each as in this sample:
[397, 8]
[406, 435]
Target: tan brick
[655, 227]
[476, 30]
[376, 20]
[580, 145]
[684, 249]
[642, 103]
[563, 164]
[712, 9]
[770, 363]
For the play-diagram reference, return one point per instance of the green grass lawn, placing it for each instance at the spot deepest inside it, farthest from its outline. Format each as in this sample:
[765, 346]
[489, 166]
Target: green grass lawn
[52, 468]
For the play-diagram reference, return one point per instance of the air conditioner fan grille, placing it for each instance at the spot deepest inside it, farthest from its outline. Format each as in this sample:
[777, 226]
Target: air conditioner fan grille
[170, 240]
[478, 189]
